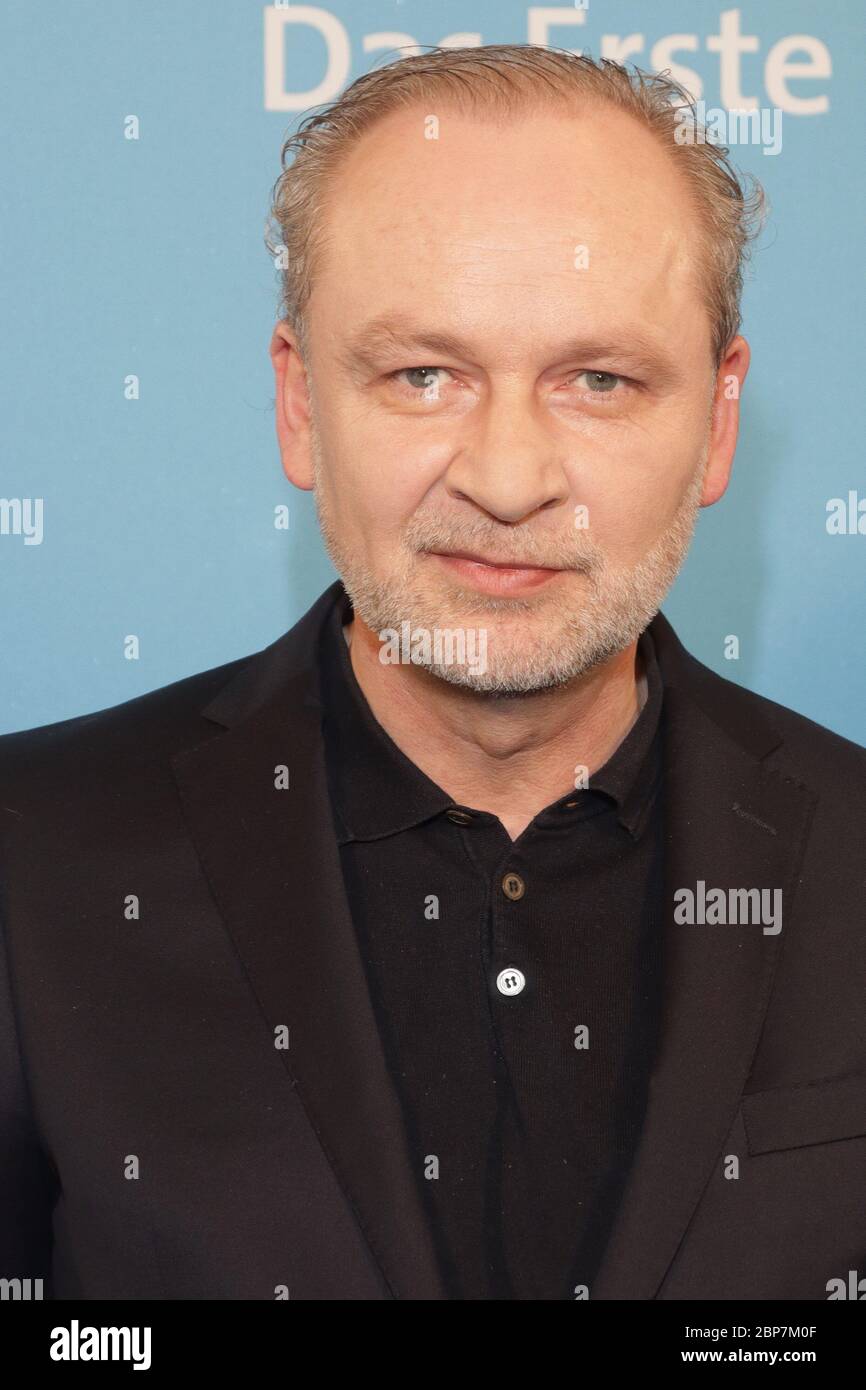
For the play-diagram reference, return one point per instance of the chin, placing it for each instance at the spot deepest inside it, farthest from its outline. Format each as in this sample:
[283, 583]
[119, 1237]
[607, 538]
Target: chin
[507, 678]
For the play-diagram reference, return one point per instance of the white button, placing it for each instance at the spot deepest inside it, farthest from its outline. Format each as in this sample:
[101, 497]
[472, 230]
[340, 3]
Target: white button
[510, 981]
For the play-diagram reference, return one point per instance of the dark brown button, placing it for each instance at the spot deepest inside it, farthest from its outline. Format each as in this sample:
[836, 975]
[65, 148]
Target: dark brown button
[459, 817]
[513, 887]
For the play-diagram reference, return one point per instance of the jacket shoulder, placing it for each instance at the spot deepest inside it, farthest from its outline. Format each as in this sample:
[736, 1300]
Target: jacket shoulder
[140, 728]
[811, 751]
[798, 747]
[63, 769]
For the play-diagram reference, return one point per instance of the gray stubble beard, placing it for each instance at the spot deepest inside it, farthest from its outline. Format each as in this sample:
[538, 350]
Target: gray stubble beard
[521, 660]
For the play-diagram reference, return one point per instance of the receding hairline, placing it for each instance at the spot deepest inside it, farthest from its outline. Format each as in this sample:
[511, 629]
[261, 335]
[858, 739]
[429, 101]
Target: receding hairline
[499, 83]
[532, 104]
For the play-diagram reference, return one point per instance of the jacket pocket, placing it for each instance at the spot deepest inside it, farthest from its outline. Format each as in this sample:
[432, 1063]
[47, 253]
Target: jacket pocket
[814, 1112]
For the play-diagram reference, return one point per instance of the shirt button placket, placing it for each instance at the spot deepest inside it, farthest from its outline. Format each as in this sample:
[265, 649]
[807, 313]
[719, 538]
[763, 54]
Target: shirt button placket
[510, 979]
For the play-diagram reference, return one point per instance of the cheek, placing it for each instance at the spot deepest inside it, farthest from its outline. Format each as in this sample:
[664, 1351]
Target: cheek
[372, 498]
[383, 479]
[622, 521]
[633, 487]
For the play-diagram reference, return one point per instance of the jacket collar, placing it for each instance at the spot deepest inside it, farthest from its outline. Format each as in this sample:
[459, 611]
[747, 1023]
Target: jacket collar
[272, 862]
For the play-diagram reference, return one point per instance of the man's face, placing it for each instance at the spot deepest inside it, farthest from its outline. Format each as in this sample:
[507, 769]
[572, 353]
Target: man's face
[563, 425]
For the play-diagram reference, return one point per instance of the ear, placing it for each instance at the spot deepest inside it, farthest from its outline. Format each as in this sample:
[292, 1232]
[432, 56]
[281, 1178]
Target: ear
[292, 407]
[725, 420]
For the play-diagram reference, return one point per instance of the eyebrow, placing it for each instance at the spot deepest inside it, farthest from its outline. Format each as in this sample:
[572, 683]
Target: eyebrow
[384, 334]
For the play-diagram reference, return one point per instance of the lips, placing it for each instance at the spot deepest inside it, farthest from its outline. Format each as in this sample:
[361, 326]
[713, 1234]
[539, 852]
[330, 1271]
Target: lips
[493, 564]
[494, 576]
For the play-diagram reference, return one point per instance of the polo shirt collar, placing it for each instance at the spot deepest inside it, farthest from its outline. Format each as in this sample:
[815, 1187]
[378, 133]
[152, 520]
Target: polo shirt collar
[376, 790]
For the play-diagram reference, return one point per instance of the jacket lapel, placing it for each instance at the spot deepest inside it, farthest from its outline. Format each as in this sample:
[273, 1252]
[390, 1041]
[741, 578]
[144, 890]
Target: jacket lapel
[272, 863]
[273, 866]
[732, 823]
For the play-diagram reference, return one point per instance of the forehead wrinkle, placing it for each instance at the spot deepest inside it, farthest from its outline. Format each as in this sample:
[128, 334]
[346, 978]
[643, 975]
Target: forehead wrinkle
[399, 334]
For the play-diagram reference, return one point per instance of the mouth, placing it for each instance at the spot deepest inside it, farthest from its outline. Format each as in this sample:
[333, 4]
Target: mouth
[494, 576]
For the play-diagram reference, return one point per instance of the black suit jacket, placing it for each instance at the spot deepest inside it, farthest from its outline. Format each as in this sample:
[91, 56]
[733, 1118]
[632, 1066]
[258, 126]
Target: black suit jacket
[157, 1142]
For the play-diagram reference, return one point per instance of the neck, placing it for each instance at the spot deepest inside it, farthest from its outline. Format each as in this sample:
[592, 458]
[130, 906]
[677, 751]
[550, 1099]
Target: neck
[509, 756]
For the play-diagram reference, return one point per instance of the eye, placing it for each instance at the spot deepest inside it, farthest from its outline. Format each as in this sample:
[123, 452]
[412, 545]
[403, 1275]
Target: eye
[429, 383]
[600, 383]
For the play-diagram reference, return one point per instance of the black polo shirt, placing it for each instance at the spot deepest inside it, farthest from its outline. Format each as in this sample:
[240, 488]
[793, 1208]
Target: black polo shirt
[516, 986]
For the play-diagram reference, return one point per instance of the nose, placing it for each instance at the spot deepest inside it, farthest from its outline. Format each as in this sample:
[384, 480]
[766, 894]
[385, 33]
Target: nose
[510, 466]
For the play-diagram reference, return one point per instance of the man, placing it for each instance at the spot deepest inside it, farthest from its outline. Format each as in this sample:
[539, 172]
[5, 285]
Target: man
[473, 941]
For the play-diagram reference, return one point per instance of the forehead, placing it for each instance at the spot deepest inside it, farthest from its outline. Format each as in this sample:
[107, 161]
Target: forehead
[487, 222]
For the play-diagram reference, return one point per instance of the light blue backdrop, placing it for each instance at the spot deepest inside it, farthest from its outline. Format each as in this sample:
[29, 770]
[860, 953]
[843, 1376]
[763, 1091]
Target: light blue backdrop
[146, 257]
